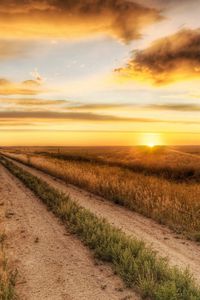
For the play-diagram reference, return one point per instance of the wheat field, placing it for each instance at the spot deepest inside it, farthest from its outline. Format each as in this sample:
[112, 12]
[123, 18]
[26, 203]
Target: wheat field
[175, 204]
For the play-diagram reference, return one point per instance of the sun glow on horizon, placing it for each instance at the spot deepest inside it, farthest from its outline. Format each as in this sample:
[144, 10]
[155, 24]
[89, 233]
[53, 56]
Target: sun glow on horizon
[151, 140]
[151, 145]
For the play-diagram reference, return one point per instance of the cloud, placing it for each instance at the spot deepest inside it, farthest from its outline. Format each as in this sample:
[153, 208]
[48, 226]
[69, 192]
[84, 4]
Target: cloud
[13, 48]
[49, 116]
[32, 102]
[66, 105]
[166, 4]
[36, 75]
[87, 116]
[175, 106]
[14, 124]
[97, 106]
[28, 87]
[195, 95]
[128, 106]
[167, 60]
[123, 19]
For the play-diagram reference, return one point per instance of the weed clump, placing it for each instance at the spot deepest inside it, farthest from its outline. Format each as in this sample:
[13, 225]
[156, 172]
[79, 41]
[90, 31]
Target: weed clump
[7, 276]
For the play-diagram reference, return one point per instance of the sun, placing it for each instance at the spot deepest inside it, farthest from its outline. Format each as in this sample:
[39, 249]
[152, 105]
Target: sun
[151, 145]
[151, 140]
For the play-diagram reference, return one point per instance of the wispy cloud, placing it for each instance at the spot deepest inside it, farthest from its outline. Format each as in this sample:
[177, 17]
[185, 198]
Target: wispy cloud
[27, 87]
[97, 106]
[81, 116]
[175, 107]
[44, 116]
[170, 59]
[37, 76]
[16, 123]
[72, 108]
[32, 102]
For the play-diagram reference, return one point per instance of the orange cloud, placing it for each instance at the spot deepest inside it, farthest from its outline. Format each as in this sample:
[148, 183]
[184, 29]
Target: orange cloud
[123, 19]
[77, 116]
[28, 87]
[50, 116]
[32, 102]
[97, 106]
[175, 107]
[170, 59]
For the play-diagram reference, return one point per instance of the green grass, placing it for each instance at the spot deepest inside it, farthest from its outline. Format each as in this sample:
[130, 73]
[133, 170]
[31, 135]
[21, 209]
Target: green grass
[138, 265]
[7, 276]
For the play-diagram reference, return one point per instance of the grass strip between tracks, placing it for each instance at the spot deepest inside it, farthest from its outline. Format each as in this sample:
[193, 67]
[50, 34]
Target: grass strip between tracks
[138, 265]
[7, 276]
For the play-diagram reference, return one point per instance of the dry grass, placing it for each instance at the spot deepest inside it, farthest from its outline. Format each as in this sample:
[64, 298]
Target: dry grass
[7, 276]
[169, 163]
[138, 266]
[179, 164]
[176, 205]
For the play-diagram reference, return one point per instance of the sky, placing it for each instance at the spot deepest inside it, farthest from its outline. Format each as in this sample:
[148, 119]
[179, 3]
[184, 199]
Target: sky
[99, 72]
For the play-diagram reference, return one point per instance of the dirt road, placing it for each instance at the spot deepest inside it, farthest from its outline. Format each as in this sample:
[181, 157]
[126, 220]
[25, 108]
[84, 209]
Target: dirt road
[52, 264]
[185, 153]
[180, 252]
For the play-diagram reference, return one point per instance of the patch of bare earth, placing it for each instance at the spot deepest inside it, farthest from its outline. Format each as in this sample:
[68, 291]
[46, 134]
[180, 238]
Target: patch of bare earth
[180, 252]
[52, 263]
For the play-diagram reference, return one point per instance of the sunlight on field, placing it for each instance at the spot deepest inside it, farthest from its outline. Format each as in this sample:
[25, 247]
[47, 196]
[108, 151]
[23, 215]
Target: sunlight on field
[162, 184]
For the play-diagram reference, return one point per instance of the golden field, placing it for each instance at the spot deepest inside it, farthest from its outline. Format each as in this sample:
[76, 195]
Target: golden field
[173, 201]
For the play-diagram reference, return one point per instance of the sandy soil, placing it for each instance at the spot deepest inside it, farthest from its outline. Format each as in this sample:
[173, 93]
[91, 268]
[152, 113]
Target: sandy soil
[52, 264]
[180, 252]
